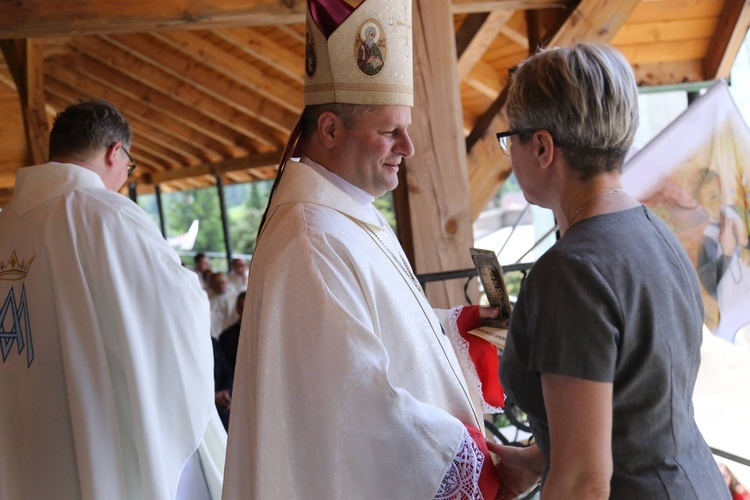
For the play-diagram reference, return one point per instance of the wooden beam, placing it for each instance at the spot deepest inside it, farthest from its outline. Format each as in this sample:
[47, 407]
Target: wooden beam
[436, 175]
[175, 78]
[480, 42]
[668, 73]
[40, 18]
[253, 43]
[242, 72]
[658, 31]
[477, 6]
[593, 21]
[70, 85]
[488, 169]
[468, 30]
[192, 62]
[486, 80]
[514, 35]
[25, 62]
[730, 31]
[251, 162]
[484, 121]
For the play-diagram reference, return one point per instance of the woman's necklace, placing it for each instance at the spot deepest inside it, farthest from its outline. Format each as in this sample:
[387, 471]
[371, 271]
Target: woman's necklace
[575, 215]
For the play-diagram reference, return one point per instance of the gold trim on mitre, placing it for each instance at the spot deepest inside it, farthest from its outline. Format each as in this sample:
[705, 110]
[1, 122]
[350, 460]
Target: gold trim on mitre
[366, 60]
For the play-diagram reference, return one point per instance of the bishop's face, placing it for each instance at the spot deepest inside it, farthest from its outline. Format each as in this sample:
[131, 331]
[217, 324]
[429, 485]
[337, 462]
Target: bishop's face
[372, 151]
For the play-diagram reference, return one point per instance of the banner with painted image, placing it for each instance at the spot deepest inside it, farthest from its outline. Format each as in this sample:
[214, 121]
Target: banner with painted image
[695, 175]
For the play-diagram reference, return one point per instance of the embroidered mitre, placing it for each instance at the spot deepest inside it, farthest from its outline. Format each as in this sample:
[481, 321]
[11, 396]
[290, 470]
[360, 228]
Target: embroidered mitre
[359, 55]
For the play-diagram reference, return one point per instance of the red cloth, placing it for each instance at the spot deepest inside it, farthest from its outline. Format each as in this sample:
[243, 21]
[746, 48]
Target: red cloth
[329, 14]
[489, 481]
[484, 355]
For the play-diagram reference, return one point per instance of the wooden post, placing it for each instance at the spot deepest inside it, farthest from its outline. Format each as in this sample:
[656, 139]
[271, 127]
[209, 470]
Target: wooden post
[437, 178]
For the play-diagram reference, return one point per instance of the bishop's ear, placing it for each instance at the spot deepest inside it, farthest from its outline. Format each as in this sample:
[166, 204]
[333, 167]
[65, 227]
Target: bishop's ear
[329, 127]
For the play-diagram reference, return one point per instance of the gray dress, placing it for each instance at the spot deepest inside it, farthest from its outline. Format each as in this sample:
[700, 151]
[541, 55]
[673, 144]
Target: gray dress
[617, 300]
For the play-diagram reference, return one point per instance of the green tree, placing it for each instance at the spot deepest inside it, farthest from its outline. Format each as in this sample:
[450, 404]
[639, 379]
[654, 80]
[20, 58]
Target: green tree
[245, 220]
[203, 204]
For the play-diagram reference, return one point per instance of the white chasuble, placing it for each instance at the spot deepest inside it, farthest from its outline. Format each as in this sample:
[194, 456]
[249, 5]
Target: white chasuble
[346, 386]
[106, 381]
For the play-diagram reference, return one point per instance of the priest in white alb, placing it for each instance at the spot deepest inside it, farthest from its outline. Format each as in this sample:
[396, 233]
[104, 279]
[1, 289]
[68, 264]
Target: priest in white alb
[106, 381]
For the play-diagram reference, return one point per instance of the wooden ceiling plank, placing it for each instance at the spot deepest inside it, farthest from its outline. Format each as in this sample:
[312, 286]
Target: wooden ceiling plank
[291, 33]
[251, 162]
[171, 132]
[152, 137]
[477, 6]
[204, 87]
[25, 60]
[665, 10]
[156, 105]
[481, 41]
[170, 90]
[516, 36]
[41, 18]
[469, 28]
[253, 43]
[486, 80]
[666, 51]
[730, 31]
[664, 31]
[38, 18]
[593, 21]
[668, 72]
[246, 74]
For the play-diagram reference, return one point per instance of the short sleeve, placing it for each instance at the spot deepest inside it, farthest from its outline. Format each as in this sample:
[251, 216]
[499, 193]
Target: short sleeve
[574, 320]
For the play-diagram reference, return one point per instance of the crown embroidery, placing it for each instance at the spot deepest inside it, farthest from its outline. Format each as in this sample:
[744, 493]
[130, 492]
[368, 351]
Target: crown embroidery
[14, 269]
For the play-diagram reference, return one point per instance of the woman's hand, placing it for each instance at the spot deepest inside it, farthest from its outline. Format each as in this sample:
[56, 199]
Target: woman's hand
[519, 469]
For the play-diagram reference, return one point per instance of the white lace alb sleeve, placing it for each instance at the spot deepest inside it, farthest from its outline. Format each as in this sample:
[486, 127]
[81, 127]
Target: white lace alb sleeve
[461, 482]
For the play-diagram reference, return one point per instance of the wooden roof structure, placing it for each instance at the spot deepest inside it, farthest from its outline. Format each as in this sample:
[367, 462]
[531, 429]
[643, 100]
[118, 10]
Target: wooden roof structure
[213, 88]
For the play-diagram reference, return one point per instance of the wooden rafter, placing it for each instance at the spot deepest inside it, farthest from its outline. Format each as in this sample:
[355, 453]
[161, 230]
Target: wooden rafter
[204, 82]
[176, 129]
[25, 62]
[264, 160]
[483, 37]
[254, 44]
[38, 18]
[476, 6]
[242, 72]
[156, 73]
[664, 73]
[730, 31]
[41, 18]
[593, 21]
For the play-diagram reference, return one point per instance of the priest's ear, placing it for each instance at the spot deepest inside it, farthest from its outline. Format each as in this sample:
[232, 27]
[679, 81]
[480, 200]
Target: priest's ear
[330, 126]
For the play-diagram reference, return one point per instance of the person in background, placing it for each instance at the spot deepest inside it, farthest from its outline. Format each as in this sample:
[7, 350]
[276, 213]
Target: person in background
[106, 380]
[222, 302]
[230, 338]
[237, 277]
[223, 376]
[202, 267]
[604, 343]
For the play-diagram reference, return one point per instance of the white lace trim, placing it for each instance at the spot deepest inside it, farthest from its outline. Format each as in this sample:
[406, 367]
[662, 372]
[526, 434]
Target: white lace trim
[461, 482]
[462, 351]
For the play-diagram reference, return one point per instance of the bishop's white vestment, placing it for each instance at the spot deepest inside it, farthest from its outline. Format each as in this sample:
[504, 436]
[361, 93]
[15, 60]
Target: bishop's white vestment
[106, 381]
[346, 386]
